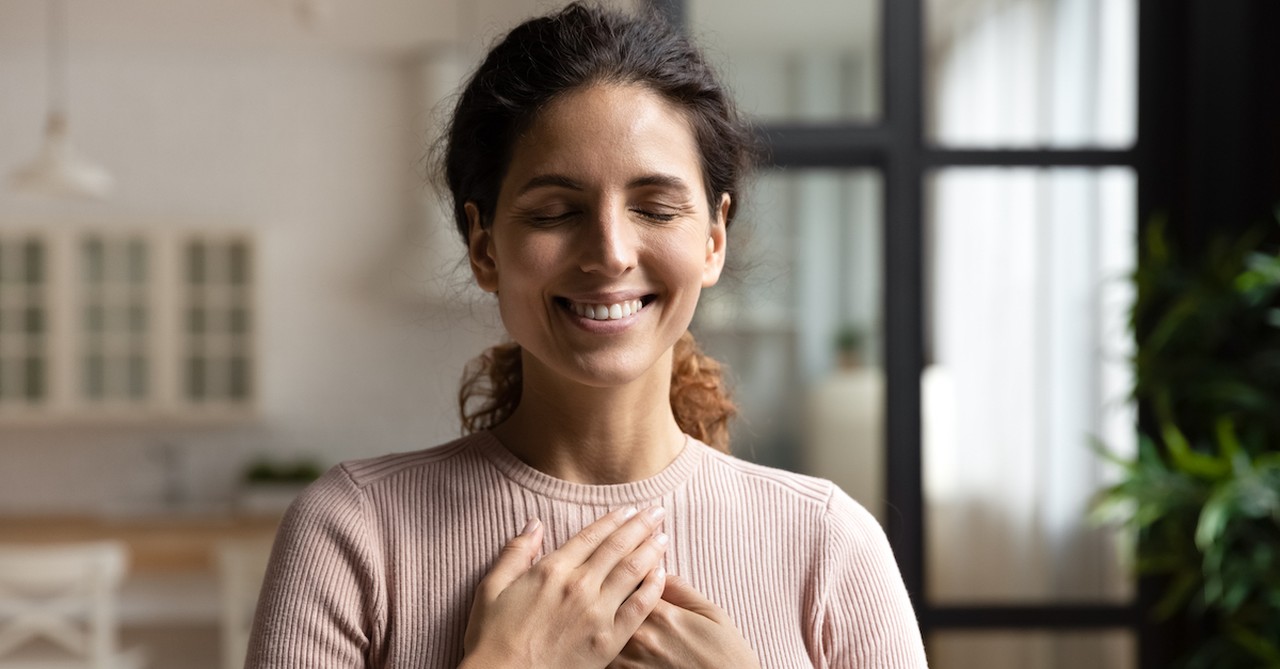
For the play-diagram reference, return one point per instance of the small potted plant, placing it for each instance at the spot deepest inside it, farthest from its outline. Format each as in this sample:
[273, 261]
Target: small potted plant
[270, 485]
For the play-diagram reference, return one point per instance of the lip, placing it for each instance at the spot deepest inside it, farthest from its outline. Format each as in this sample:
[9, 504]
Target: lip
[608, 298]
[603, 326]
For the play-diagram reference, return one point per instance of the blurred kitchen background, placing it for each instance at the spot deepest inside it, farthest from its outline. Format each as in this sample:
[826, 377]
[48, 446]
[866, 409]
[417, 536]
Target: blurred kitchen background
[222, 270]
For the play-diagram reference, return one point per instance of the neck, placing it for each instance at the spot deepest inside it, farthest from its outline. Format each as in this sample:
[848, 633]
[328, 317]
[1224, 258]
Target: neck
[594, 435]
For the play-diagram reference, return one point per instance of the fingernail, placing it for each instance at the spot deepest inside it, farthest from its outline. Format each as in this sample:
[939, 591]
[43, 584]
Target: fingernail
[530, 526]
[656, 512]
[662, 572]
[662, 539]
[631, 511]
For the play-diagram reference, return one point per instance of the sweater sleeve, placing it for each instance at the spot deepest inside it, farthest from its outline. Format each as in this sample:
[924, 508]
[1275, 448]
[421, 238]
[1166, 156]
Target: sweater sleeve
[867, 621]
[320, 602]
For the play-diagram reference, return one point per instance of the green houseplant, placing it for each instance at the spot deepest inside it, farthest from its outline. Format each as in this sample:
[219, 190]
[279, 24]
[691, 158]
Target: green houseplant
[269, 485]
[1203, 492]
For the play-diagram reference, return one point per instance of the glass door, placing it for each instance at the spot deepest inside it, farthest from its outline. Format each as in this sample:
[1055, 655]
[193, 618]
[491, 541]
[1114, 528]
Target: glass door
[950, 194]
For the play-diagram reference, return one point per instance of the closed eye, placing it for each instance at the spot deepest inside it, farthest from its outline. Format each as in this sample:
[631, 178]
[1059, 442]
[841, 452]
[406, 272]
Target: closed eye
[550, 219]
[654, 215]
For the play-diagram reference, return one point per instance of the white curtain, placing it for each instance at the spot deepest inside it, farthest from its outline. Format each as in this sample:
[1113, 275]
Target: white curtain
[1027, 345]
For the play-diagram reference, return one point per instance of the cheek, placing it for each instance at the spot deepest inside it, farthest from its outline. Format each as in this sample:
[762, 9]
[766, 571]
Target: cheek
[526, 262]
[682, 259]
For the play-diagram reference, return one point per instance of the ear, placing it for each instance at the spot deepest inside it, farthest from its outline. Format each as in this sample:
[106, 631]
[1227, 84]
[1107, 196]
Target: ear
[484, 264]
[717, 241]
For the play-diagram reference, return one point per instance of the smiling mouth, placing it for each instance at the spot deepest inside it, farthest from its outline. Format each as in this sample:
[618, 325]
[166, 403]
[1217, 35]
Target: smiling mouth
[606, 312]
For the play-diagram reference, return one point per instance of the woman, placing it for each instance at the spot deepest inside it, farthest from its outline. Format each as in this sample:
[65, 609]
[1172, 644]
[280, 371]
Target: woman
[594, 164]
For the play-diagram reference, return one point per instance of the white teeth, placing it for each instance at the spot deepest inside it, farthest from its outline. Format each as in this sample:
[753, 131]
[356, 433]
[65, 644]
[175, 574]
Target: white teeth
[606, 312]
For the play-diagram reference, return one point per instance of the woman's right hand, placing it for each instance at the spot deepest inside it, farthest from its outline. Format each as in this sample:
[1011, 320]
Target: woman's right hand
[576, 607]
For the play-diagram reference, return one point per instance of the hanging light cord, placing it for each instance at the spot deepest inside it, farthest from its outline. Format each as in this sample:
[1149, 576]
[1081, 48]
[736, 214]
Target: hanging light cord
[57, 60]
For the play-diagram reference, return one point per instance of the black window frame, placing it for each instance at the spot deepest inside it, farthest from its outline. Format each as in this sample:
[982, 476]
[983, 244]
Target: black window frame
[897, 146]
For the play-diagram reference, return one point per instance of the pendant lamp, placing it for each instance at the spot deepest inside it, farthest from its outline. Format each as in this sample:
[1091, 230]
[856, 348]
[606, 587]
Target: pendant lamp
[59, 170]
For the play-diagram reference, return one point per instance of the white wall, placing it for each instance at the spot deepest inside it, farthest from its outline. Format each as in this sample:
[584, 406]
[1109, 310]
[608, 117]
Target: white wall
[320, 153]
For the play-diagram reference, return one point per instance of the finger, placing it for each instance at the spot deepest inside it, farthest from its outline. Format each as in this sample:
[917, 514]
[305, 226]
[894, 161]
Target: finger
[640, 604]
[681, 593]
[575, 551]
[514, 560]
[628, 572]
[625, 540]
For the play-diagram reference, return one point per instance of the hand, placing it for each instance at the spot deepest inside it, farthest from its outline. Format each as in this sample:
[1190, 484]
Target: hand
[686, 630]
[577, 606]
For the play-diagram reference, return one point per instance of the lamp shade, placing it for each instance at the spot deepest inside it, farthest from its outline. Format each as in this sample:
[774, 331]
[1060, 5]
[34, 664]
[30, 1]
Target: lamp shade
[59, 170]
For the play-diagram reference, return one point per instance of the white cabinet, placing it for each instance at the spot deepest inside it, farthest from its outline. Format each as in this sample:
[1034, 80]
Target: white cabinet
[120, 324]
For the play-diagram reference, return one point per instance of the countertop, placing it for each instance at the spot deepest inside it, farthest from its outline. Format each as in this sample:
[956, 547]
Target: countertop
[158, 542]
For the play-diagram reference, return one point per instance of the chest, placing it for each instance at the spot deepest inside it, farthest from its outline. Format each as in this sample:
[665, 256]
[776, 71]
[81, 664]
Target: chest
[761, 576]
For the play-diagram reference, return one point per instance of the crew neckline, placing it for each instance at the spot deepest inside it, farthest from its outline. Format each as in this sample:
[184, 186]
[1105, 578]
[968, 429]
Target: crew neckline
[633, 492]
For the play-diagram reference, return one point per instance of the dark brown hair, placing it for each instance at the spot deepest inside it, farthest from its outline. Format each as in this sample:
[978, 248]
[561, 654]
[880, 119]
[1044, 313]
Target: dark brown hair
[546, 57]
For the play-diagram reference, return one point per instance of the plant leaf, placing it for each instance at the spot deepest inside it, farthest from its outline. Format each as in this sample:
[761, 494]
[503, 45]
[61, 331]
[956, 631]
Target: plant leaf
[1214, 517]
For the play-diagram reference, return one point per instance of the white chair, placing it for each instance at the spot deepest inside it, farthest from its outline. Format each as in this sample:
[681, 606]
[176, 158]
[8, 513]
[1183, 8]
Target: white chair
[58, 607]
[242, 563]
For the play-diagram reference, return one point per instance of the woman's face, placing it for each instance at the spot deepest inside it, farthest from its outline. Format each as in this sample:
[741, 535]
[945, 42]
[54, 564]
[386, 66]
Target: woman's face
[602, 238]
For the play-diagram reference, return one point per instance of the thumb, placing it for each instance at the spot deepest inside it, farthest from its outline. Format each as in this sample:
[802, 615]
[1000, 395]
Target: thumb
[681, 593]
[514, 560]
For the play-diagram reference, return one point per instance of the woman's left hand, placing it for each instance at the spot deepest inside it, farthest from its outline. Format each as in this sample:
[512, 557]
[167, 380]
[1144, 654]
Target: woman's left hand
[686, 631]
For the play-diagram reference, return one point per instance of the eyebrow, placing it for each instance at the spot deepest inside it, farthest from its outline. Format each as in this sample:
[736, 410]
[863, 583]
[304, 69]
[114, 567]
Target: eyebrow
[663, 180]
[549, 181]
[562, 181]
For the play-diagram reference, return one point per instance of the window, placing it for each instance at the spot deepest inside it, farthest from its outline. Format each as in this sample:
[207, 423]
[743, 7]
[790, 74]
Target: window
[1000, 134]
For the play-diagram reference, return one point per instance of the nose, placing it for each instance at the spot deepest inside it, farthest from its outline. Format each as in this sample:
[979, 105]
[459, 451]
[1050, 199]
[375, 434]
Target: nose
[608, 243]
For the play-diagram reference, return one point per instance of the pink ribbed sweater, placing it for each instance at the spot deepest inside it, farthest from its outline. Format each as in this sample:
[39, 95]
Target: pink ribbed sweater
[375, 565]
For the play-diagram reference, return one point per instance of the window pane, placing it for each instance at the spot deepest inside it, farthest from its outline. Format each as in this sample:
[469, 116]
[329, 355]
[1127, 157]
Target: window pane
[94, 262]
[35, 381]
[797, 321]
[238, 321]
[114, 336]
[1026, 363]
[1032, 650]
[238, 272]
[238, 381]
[33, 251]
[95, 377]
[195, 320]
[218, 321]
[1018, 73]
[805, 60]
[137, 262]
[195, 263]
[137, 377]
[196, 378]
[34, 321]
[24, 320]
[137, 318]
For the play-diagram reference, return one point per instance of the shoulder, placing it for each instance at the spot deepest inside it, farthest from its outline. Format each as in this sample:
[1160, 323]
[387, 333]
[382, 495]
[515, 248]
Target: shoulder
[374, 471]
[809, 491]
[818, 499]
[846, 528]
[343, 493]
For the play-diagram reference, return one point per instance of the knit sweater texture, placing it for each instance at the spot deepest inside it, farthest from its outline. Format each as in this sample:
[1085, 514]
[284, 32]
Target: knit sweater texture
[376, 564]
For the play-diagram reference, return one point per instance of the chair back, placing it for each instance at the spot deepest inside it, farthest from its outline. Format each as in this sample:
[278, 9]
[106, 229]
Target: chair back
[60, 601]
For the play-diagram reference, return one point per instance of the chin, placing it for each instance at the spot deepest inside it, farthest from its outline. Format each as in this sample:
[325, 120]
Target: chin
[613, 374]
